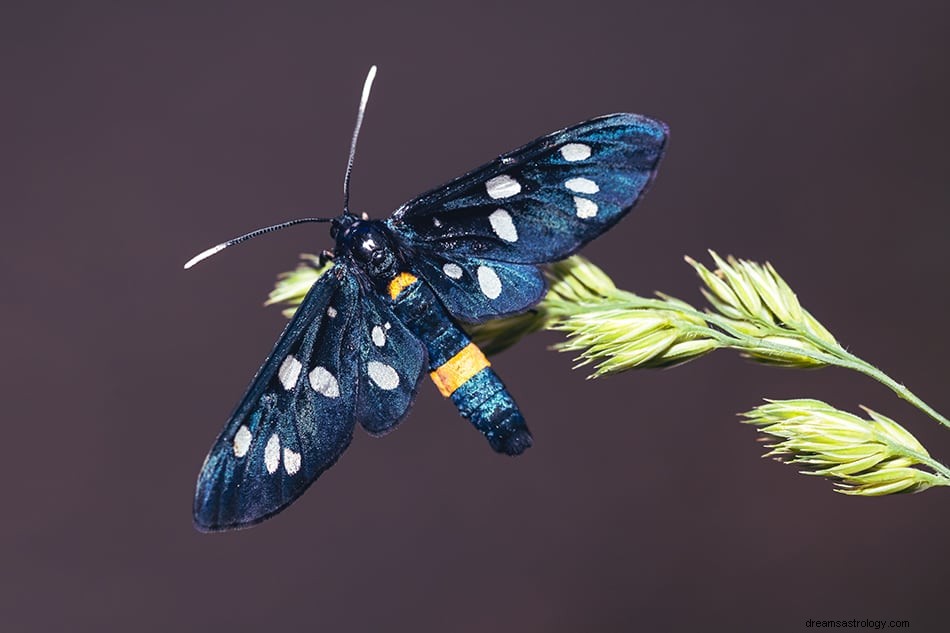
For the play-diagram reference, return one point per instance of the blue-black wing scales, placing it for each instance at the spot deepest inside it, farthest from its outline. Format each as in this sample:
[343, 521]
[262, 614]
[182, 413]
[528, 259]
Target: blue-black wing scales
[475, 289]
[325, 373]
[542, 202]
[295, 420]
[390, 362]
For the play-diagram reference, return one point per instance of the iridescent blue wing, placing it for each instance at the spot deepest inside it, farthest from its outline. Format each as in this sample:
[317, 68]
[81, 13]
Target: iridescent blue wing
[297, 418]
[390, 360]
[542, 202]
[475, 289]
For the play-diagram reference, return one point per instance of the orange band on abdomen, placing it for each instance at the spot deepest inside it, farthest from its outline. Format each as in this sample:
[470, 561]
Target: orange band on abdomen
[400, 282]
[456, 371]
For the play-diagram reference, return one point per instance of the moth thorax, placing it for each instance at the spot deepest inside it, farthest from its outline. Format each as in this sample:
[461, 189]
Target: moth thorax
[372, 247]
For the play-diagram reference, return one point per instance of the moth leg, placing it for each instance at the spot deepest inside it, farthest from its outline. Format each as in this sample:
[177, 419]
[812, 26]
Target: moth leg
[325, 257]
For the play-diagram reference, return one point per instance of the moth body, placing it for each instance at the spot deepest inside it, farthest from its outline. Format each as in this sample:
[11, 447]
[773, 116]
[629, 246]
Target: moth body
[390, 307]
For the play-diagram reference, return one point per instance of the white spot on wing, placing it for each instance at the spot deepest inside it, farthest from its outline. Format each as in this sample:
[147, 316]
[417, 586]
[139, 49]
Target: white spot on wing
[272, 454]
[452, 270]
[581, 185]
[242, 441]
[585, 208]
[489, 282]
[289, 372]
[575, 151]
[502, 187]
[291, 461]
[379, 336]
[331, 312]
[323, 382]
[436, 222]
[503, 226]
[383, 375]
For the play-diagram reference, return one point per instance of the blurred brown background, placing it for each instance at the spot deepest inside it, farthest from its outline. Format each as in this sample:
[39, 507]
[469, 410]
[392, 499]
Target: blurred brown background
[815, 136]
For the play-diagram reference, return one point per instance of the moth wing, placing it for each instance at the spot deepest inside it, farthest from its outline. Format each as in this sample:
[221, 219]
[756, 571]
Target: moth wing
[390, 365]
[542, 202]
[296, 419]
[474, 289]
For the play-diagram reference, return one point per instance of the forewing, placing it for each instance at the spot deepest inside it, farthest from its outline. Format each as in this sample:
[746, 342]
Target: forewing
[390, 364]
[542, 202]
[475, 289]
[295, 420]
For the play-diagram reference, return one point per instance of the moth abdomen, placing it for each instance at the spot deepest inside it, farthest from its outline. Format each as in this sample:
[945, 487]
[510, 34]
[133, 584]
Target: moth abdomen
[458, 367]
[484, 400]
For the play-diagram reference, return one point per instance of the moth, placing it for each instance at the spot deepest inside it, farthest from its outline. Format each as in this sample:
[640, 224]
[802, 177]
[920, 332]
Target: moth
[389, 309]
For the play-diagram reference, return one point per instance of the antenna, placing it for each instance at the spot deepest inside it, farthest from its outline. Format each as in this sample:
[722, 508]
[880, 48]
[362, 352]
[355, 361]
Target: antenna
[367, 85]
[237, 240]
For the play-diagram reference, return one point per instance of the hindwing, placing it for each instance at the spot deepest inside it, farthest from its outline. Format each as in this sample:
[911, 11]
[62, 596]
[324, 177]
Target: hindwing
[343, 357]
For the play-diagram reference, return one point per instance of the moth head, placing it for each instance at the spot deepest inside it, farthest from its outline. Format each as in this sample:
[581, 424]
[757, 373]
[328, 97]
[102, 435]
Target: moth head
[341, 224]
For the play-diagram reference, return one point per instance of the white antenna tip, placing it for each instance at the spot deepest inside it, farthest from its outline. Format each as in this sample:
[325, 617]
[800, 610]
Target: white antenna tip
[205, 254]
[367, 85]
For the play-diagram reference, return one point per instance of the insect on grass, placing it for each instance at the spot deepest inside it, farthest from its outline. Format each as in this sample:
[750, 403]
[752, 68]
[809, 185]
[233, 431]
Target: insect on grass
[390, 308]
